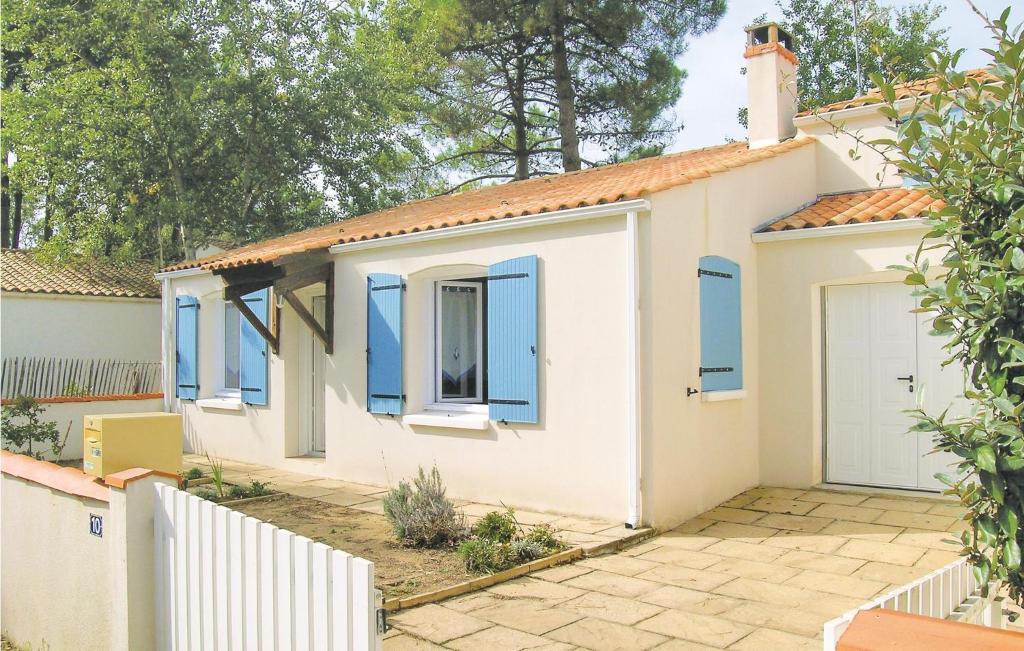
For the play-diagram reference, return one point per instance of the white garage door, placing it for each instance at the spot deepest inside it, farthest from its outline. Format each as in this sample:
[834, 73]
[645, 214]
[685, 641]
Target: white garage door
[880, 361]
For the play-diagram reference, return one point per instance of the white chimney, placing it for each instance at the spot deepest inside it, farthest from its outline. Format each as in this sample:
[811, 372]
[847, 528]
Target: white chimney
[771, 85]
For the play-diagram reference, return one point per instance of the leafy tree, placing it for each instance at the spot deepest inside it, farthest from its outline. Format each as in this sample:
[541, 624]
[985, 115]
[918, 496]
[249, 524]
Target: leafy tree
[531, 84]
[892, 41]
[966, 145]
[148, 128]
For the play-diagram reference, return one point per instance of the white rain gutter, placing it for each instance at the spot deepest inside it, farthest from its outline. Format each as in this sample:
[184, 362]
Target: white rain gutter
[852, 112]
[511, 223]
[915, 224]
[181, 273]
[633, 518]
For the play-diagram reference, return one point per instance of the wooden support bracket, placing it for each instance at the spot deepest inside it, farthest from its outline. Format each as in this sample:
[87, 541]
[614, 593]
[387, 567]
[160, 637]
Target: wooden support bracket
[254, 321]
[326, 336]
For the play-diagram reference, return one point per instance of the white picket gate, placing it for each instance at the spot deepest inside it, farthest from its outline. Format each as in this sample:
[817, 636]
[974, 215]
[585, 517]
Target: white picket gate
[228, 581]
[950, 592]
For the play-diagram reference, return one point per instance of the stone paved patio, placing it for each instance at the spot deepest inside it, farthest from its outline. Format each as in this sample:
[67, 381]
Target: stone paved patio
[764, 570]
[587, 533]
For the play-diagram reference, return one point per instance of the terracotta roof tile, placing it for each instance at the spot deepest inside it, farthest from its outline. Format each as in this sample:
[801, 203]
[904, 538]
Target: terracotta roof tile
[858, 208]
[915, 88]
[599, 185]
[21, 271]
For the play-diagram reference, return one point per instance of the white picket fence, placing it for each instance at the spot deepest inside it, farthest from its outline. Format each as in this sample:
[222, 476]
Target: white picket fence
[228, 581]
[950, 592]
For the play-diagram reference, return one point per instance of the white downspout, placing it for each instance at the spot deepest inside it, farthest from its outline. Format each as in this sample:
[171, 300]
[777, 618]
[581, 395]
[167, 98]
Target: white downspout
[166, 318]
[633, 519]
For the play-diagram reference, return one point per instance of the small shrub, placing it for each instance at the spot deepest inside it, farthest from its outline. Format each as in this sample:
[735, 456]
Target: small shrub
[544, 535]
[258, 488]
[421, 515]
[483, 555]
[499, 543]
[497, 526]
[255, 489]
[526, 550]
[206, 494]
[194, 473]
[23, 427]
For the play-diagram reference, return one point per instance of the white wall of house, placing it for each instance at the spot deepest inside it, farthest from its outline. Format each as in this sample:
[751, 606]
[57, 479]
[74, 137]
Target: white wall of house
[793, 273]
[574, 460]
[837, 134]
[699, 453]
[49, 325]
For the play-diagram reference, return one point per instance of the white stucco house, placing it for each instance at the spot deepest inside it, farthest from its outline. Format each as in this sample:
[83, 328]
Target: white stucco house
[637, 341]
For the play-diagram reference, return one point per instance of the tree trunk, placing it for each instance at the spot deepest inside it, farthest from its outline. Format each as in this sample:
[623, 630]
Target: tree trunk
[16, 221]
[522, 146]
[565, 92]
[5, 211]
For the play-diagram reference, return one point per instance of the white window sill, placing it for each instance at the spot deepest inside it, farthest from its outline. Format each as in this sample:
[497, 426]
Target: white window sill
[452, 420]
[719, 396]
[227, 404]
[456, 407]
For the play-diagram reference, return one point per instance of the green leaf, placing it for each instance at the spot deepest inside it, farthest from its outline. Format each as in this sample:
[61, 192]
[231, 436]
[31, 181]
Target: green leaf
[1011, 554]
[1008, 521]
[993, 483]
[985, 458]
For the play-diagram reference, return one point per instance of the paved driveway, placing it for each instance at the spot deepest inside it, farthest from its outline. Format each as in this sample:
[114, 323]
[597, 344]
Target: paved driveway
[764, 570]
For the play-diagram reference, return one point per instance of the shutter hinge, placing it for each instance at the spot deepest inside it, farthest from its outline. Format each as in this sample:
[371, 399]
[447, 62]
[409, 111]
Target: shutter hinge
[714, 369]
[708, 272]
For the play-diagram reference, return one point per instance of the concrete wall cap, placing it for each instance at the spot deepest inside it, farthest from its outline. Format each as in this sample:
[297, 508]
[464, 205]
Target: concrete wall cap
[68, 480]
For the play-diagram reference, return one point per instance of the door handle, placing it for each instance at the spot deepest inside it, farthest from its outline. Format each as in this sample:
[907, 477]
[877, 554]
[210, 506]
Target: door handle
[909, 378]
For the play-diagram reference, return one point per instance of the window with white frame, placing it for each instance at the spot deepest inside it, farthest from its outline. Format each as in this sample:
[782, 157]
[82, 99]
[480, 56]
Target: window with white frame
[232, 349]
[460, 341]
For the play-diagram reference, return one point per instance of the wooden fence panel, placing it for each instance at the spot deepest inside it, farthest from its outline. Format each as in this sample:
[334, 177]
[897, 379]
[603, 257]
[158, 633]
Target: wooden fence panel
[228, 581]
[52, 377]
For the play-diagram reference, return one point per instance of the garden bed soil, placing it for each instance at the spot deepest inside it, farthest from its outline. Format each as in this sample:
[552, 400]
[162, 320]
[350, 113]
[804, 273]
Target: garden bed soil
[399, 571]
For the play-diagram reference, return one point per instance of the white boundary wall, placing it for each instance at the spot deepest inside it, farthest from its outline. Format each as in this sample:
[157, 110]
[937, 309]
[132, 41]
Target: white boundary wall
[225, 580]
[950, 592]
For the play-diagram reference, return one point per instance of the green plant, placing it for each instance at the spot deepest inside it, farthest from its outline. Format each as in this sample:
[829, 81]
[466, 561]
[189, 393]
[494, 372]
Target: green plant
[544, 535]
[217, 474]
[499, 543]
[421, 515]
[194, 473]
[483, 555]
[258, 488]
[206, 494]
[497, 526]
[965, 144]
[23, 427]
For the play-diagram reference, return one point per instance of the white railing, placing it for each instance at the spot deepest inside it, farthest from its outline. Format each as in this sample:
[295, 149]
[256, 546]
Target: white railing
[225, 580]
[950, 592]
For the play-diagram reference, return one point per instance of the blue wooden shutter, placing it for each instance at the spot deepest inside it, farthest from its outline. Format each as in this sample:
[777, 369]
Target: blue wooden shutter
[721, 336]
[384, 344]
[186, 326]
[512, 340]
[252, 359]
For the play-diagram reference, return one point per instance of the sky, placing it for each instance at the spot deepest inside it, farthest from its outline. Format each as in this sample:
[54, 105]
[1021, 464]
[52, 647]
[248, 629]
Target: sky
[714, 89]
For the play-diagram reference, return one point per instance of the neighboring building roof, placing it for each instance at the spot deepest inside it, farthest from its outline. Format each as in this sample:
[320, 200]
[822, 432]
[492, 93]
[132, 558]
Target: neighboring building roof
[21, 271]
[859, 208]
[910, 89]
[598, 185]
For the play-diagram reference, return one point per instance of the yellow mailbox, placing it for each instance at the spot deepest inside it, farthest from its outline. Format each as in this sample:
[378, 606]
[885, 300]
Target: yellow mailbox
[116, 442]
